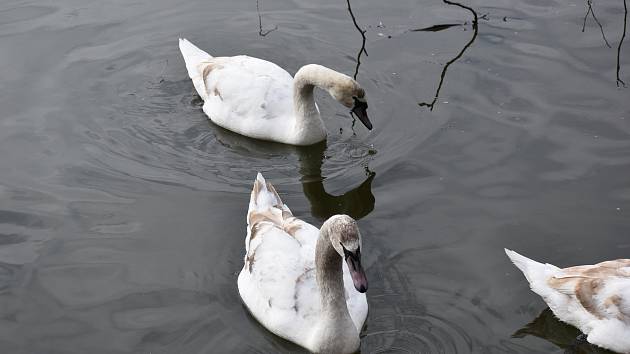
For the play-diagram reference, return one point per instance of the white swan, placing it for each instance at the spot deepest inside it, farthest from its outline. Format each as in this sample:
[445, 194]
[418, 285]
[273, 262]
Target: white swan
[593, 298]
[294, 281]
[259, 99]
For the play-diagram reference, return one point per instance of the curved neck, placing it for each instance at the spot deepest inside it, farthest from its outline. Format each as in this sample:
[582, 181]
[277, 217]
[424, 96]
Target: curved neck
[308, 121]
[335, 331]
[329, 275]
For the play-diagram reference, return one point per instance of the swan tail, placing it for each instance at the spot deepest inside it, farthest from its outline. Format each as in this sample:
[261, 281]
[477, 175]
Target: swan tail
[537, 274]
[195, 59]
[264, 199]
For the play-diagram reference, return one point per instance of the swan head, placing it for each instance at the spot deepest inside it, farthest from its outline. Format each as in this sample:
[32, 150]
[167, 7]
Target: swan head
[350, 94]
[346, 240]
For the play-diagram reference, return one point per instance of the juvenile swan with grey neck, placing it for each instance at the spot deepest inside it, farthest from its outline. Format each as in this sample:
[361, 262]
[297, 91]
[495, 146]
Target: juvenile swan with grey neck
[295, 281]
[259, 99]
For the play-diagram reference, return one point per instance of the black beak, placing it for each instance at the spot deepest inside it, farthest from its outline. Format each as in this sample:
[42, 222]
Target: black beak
[356, 270]
[360, 110]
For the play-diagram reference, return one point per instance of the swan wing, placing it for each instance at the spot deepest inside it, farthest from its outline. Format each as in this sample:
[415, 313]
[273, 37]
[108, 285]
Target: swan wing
[277, 282]
[594, 298]
[600, 289]
[247, 95]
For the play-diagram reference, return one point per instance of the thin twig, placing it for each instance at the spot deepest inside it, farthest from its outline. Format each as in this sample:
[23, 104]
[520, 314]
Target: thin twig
[260, 29]
[362, 50]
[589, 3]
[459, 55]
[623, 37]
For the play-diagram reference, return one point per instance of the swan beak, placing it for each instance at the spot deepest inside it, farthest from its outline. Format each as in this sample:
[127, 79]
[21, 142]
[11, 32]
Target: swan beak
[356, 271]
[360, 110]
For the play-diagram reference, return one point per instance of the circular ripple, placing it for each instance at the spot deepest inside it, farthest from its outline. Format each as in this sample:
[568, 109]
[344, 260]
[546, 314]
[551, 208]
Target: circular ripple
[400, 323]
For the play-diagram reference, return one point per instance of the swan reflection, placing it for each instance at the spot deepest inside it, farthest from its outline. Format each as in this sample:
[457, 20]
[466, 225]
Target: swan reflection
[548, 327]
[357, 202]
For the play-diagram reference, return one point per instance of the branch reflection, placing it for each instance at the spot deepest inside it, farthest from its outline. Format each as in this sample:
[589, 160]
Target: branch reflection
[459, 55]
[262, 32]
[589, 9]
[548, 327]
[623, 37]
[362, 31]
[436, 28]
[357, 202]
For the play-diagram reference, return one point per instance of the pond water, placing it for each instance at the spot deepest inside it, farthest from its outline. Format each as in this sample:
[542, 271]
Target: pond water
[122, 208]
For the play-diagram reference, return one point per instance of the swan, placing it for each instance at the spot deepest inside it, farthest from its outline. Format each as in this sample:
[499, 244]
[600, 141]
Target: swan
[293, 279]
[259, 99]
[593, 298]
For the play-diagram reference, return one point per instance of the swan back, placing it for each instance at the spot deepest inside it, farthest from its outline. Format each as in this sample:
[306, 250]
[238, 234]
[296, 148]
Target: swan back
[249, 96]
[594, 298]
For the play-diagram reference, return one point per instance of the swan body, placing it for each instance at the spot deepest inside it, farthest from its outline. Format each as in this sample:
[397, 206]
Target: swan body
[294, 281]
[593, 298]
[259, 99]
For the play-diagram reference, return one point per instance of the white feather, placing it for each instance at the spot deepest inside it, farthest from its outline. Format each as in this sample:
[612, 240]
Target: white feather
[280, 288]
[593, 298]
[256, 98]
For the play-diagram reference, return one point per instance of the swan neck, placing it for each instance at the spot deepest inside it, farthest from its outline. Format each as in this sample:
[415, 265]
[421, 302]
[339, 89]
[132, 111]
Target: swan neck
[334, 332]
[329, 273]
[312, 75]
[308, 121]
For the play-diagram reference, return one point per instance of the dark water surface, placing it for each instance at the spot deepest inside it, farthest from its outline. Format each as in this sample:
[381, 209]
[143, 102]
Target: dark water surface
[122, 209]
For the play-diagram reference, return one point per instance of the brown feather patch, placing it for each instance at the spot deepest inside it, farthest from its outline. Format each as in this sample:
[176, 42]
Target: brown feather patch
[585, 292]
[585, 282]
[284, 221]
[276, 216]
[615, 301]
[271, 189]
[292, 227]
[251, 258]
[208, 67]
[563, 284]
[217, 93]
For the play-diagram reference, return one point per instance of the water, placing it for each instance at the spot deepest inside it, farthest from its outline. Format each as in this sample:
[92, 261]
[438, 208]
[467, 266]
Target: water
[122, 209]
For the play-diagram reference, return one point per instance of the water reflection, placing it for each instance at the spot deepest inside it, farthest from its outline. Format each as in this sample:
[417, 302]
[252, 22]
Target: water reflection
[436, 28]
[589, 10]
[262, 32]
[623, 37]
[357, 202]
[362, 31]
[459, 55]
[548, 327]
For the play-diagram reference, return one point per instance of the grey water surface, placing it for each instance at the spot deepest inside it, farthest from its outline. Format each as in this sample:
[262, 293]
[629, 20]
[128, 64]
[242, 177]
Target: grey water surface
[122, 208]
